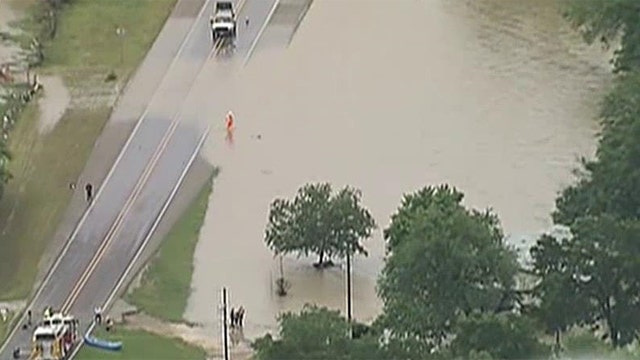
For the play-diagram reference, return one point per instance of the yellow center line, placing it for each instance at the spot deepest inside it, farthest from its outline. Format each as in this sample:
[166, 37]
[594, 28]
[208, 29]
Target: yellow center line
[118, 222]
[115, 227]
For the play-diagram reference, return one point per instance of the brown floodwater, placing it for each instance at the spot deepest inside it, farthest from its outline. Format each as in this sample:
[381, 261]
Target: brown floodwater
[9, 52]
[496, 97]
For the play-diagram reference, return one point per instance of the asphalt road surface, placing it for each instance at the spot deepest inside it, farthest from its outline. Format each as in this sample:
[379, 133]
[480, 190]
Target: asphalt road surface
[127, 204]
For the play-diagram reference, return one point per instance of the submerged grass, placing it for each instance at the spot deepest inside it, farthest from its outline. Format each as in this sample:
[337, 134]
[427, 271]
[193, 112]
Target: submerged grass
[4, 328]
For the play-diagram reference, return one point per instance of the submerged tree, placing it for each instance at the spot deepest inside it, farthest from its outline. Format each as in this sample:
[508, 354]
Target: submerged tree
[611, 183]
[319, 222]
[610, 21]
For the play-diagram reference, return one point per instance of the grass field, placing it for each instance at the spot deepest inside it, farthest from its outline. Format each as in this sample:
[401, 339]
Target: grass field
[165, 285]
[85, 50]
[4, 327]
[37, 196]
[140, 345]
[584, 345]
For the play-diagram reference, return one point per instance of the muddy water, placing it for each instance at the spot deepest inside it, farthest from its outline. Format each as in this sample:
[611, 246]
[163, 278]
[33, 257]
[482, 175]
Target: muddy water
[8, 16]
[495, 97]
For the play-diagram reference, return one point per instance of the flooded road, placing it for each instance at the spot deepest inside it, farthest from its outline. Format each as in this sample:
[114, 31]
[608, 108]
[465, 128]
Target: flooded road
[495, 97]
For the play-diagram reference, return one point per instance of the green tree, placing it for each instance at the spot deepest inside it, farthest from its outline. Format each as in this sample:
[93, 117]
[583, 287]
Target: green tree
[601, 261]
[560, 304]
[610, 183]
[317, 222]
[434, 202]
[502, 336]
[316, 333]
[446, 262]
[610, 21]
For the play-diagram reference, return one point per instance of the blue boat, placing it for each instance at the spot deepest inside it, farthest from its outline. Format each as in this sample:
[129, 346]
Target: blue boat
[103, 344]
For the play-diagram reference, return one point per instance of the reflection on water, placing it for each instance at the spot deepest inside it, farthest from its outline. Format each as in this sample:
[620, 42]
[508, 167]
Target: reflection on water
[492, 96]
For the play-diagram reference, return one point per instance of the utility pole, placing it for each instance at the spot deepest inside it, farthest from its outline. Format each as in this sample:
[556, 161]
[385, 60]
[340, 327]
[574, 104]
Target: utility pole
[225, 330]
[121, 32]
[349, 289]
[281, 268]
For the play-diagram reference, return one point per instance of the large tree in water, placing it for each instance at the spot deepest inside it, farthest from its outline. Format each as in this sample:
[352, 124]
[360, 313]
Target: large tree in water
[316, 221]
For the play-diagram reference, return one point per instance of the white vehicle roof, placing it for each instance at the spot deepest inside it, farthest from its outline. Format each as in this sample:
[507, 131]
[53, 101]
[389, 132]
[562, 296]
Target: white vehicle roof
[43, 330]
[223, 20]
[228, 13]
[59, 317]
[53, 320]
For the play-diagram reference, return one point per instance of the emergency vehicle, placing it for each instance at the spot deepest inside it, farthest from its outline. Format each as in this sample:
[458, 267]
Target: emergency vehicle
[55, 337]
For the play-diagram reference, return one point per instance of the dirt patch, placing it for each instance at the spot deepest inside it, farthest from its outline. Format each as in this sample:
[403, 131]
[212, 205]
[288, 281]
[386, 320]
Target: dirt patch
[194, 334]
[53, 104]
[13, 306]
[8, 312]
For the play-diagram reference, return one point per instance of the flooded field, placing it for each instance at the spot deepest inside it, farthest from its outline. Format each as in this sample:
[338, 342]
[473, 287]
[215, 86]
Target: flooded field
[8, 16]
[495, 97]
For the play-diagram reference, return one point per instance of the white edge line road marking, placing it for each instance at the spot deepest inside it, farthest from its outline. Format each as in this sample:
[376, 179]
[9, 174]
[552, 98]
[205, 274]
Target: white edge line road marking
[299, 21]
[264, 26]
[116, 226]
[148, 237]
[76, 229]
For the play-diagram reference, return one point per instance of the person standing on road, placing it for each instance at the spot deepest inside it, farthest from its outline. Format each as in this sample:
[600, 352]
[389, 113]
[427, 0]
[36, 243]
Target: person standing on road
[97, 312]
[29, 317]
[230, 125]
[89, 190]
[230, 122]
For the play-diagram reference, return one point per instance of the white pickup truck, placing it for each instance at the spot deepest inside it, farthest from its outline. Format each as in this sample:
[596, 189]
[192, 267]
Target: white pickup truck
[223, 21]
